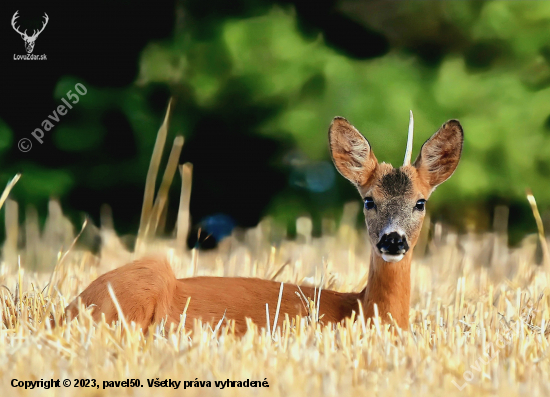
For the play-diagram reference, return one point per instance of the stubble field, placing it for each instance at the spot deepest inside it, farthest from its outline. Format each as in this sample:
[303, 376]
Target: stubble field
[479, 315]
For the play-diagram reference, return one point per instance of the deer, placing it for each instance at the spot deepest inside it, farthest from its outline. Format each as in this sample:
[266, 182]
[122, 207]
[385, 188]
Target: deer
[29, 40]
[394, 199]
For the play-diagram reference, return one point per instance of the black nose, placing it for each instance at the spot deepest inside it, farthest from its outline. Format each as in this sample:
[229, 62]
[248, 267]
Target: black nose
[393, 244]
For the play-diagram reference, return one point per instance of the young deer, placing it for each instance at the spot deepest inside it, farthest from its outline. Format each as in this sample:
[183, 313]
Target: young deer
[394, 198]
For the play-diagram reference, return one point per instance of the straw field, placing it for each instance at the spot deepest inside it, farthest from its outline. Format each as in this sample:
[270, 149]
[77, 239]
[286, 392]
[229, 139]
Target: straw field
[478, 318]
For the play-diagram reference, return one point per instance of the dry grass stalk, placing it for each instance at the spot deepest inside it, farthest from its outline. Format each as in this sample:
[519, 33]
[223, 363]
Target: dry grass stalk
[162, 195]
[150, 182]
[540, 229]
[8, 188]
[186, 172]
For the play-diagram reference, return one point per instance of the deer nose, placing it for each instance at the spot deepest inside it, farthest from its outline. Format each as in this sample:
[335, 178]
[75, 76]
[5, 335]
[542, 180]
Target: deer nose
[393, 244]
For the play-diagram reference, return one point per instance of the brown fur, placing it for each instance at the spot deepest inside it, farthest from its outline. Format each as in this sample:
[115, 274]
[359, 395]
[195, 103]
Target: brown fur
[389, 287]
[145, 290]
[148, 291]
[351, 152]
[440, 154]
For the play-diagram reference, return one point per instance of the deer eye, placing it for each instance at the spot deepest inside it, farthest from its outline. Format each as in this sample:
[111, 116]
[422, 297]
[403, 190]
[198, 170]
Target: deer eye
[369, 203]
[420, 204]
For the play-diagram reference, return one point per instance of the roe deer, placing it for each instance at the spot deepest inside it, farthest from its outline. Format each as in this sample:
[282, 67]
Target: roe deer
[394, 208]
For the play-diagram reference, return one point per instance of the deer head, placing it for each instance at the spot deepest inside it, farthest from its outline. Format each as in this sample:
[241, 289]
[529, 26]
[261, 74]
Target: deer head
[29, 40]
[395, 198]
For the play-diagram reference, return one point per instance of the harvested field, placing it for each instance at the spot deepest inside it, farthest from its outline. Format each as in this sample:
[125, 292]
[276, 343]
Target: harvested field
[479, 319]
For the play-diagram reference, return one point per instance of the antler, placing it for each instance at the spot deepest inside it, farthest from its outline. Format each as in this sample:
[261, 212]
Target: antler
[408, 153]
[15, 16]
[36, 33]
[43, 26]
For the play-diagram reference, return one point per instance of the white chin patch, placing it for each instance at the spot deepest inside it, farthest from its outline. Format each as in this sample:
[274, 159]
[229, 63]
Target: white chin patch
[392, 258]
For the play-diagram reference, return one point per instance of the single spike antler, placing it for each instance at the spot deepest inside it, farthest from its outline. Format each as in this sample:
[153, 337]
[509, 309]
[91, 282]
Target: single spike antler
[408, 153]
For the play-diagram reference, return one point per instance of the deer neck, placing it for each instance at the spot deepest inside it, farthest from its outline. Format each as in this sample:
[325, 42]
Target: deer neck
[389, 286]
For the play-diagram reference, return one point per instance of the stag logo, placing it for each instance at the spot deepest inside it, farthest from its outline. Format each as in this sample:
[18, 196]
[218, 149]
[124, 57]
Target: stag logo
[29, 40]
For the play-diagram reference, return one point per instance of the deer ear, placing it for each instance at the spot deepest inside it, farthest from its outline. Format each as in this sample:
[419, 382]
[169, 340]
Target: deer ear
[440, 154]
[351, 152]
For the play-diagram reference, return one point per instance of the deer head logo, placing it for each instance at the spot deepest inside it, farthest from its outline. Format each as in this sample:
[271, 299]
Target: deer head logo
[29, 40]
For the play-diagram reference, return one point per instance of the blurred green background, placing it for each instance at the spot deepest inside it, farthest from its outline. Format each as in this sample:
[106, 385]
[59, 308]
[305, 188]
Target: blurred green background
[257, 83]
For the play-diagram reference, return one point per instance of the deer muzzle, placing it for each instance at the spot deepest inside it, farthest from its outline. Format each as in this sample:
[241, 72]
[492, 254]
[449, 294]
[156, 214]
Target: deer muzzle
[393, 246]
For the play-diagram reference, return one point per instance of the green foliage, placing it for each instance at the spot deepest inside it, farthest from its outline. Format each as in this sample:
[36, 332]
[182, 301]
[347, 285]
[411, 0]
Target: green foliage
[493, 74]
[503, 107]
[6, 136]
[40, 182]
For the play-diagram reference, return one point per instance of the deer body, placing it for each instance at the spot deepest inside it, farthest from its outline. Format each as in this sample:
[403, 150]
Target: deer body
[148, 291]
[211, 297]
